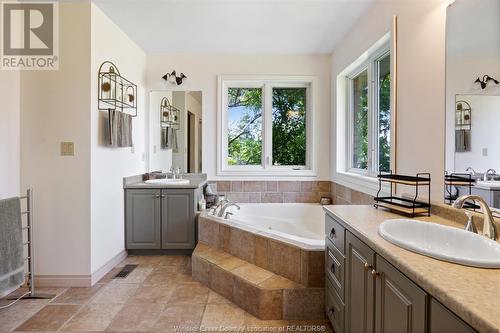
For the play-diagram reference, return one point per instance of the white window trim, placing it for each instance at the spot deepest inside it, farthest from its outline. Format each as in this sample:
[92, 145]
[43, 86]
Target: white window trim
[358, 179]
[266, 82]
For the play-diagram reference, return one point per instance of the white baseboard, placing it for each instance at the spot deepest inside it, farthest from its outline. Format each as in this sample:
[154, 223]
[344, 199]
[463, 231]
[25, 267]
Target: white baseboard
[98, 274]
[66, 281]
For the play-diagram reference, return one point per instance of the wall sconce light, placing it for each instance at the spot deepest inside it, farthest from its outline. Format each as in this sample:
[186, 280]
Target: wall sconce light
[485, 80]
[172, 77]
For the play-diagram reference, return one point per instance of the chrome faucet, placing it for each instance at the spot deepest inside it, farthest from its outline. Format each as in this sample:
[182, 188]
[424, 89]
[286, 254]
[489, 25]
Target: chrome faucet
[471, 170]
[226, 206]
[489, 228]
[219, 204]
[489, 172]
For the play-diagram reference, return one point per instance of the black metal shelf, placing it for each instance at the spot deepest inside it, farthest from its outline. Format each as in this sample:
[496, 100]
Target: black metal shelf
[454, 180]
[406, 206]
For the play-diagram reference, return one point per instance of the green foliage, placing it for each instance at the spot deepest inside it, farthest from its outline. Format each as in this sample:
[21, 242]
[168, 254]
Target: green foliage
[385, 124]
[289, 126]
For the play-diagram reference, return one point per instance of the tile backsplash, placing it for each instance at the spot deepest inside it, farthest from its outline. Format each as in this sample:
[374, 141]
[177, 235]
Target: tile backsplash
[289, 191]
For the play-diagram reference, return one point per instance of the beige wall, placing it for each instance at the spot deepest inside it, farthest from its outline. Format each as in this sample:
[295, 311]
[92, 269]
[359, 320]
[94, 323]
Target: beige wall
[110, 165]
[55, 107]
[202, 71]
[10, 136]
[421, 74]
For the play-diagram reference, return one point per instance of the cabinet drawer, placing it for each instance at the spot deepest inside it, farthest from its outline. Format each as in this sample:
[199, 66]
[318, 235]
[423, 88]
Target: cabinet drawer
[335, 232]
[334, 266]
[334, 309]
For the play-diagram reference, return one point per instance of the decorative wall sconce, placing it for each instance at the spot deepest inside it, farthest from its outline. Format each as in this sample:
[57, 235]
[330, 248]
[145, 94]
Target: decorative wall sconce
[114, 91]
[485, 80]
[172, 77]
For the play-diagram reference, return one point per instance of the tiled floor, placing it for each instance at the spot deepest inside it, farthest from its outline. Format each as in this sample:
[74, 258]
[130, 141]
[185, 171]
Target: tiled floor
[158, 296]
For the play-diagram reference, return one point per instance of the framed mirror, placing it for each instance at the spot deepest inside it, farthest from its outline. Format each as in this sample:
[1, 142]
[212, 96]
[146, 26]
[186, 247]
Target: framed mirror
[175, 131]
[473, 100]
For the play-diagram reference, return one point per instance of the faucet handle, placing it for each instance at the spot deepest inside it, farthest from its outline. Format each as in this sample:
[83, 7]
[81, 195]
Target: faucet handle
[470, 222]
[226, 216]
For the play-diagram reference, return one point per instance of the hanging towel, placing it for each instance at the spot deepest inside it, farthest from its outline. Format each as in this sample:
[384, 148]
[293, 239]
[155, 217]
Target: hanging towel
[164, 138]
[119, 129]
[11, 246]
[169, 138]
[125, 130]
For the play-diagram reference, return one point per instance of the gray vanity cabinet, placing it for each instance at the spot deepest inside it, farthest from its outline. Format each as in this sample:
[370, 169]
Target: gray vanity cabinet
[142, 219]
[160, 219]
[378, 298]
[442, 320]
[400, 305]
[360, 286]
[177, 210]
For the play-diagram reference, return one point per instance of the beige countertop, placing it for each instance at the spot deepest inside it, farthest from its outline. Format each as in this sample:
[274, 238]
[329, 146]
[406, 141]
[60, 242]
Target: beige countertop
[472, 293]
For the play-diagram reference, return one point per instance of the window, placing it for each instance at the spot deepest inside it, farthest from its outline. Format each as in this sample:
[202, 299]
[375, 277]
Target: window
[266, 126]
[369, 115]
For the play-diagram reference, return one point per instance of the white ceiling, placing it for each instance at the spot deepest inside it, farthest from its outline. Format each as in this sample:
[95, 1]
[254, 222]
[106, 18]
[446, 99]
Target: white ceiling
[235, 26]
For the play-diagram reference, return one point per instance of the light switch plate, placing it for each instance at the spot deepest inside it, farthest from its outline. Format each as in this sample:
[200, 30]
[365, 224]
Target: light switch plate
[67, 148]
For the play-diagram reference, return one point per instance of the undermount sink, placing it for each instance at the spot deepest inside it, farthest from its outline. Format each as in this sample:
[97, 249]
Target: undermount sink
[491, 184]
[442, 242]
[168, 181]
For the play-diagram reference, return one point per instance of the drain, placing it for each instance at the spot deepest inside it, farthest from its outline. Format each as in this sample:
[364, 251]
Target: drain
[126, 270]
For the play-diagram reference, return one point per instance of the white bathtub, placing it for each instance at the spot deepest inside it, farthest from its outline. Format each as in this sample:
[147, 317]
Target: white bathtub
[298, 224]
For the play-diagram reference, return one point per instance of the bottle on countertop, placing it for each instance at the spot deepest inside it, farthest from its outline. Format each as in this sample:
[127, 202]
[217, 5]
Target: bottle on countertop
[202, 204]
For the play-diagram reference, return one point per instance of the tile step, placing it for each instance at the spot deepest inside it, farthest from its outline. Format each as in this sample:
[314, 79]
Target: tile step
[260, 292]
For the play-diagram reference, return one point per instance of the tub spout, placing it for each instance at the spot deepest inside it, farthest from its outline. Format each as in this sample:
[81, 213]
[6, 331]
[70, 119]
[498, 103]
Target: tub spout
[226, 206]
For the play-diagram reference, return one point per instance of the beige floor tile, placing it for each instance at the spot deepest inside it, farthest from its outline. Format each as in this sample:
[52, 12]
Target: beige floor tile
[77, 295]
[225, 316]
[18, 313]
[190, 293]
[138, 275]
[174, 261]
[257, 325]
[186, 316]
[215, 298]
[49, 318]
[162, 278]
[153, 294]
[92, 317]
[136, 317]
[115, 293]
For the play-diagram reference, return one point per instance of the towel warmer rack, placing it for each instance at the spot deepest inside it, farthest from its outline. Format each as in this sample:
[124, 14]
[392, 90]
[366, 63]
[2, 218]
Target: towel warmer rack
[30, 258]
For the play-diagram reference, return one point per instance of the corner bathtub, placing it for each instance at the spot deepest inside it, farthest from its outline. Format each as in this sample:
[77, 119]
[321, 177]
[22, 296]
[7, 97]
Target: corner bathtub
[285, 238]
[299, 224]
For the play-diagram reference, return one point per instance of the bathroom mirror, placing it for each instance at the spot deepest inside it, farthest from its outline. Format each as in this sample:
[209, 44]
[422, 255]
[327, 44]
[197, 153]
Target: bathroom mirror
[175, 131]
[473, 100]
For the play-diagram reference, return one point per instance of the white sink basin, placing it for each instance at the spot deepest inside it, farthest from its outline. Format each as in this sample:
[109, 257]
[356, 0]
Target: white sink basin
[442, 242]
[168, 181]
[491, 184]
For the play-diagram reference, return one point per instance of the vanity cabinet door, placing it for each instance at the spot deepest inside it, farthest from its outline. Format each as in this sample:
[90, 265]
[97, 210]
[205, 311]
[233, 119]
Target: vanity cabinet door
[142, 219]
[442, 320]
[400, 304]
[178, 222]
[360, 285]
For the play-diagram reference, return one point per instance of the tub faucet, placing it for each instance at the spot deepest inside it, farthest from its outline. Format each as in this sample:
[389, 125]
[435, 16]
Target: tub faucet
[226, 206]
[219, 204]
[489, 172]
[489, 228]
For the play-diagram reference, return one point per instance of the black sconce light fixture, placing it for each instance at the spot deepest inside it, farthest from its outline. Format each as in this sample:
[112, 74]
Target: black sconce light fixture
[177, 79]
[485, 80]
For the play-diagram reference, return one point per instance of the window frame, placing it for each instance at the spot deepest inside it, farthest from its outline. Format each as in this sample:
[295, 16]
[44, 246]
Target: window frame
[266, 83]
[370, 64]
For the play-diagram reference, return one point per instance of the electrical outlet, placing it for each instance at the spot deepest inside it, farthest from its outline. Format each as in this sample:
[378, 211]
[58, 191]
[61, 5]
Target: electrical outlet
[132, 150]
[67, 148]
[485, 151]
